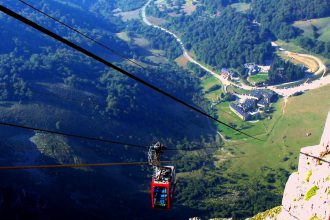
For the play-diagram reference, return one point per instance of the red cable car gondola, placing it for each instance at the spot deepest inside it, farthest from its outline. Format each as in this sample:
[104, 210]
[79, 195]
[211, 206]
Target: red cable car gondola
[163, 179]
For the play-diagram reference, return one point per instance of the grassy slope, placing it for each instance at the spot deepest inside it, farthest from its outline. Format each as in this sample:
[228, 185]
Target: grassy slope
[241, 7]
[303, 114]
[291, 46]
[124, 36]
[322, 25]
[154, 56]
[207, 83]
[258, 78]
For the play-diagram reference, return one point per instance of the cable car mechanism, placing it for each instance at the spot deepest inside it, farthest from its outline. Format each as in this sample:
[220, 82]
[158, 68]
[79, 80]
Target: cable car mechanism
[163, 179]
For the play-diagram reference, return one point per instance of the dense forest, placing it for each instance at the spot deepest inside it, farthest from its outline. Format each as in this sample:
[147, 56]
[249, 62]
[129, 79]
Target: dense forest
[237, 45]
[213, 39]
[216, 6]
[45, 84]
[209, 34]
[284, 71]
[279, 15]
[315, 46]
[210, 193]
[218, 44]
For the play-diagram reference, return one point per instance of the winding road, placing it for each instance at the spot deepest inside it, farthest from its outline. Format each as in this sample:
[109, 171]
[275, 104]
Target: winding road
[285, 92]
[184, 50]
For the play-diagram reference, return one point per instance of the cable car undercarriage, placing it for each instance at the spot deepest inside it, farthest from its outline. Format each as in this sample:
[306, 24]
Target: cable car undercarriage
[163, 179]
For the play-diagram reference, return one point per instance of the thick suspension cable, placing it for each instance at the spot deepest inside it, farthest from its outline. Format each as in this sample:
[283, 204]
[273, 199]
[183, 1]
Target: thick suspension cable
[108, 141]
[53, 166]
[57, 166]
[315, 157]
[72, 135]
[90, 38]
[103, 61]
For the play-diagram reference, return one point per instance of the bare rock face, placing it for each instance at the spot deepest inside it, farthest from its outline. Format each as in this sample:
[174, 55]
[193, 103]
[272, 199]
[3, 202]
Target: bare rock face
[307, 192]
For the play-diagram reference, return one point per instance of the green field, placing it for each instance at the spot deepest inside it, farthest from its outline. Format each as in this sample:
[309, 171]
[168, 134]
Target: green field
[225, 114]
[129, 15]
[234, 89]
[207, 83]
[140, 41]
[157, 59]
[253, 128]
[270, 160]
[282, 134]
[124, 36]
[322, 26]
[261, 77]
[286, 134]
[241, 7]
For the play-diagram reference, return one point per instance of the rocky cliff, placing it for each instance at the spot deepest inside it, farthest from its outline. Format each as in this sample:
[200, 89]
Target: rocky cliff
[307, 191]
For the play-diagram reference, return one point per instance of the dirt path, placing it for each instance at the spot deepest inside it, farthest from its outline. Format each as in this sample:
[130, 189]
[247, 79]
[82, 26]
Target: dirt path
[314, 63]
[286, 100]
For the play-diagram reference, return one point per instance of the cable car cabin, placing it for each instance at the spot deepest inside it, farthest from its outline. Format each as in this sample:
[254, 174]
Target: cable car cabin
[162, 187]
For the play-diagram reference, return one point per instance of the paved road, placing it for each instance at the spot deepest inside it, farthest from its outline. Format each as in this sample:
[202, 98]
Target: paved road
[325, 80]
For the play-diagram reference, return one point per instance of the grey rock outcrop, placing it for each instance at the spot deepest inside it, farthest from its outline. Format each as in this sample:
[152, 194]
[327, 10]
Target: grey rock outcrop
[307, 192]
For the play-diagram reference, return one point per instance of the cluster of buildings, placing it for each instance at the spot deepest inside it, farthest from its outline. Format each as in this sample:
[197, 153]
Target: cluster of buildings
[255, 69]
[229, 75]
[253, 104]
[249, 106]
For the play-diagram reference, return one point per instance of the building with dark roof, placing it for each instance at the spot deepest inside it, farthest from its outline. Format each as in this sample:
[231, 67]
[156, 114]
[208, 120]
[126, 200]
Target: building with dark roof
[253, 68]
[263, 103]
[249, 104]
[233, 75]
[256, 94]
[268, 95]
[228, 74]
[239, 111]
[258, 100]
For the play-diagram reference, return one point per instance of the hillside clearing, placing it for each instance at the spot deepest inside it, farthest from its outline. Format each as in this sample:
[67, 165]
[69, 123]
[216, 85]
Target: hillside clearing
[182, 61]
[189, 7]
[129, 15]
[157, 21]
[321, 28]
[286, 134]
[123, 36]
[261, 77]
[241, 7]
[292, 47]
[310, 63]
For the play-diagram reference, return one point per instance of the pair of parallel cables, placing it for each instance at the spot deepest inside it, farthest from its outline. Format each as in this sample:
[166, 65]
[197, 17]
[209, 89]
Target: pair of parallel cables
[111, 65]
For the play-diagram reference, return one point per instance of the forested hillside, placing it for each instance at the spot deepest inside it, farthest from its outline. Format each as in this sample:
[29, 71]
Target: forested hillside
[218, 44]
[45, 84]
[221, 36]
[278, 15]
[284, 71]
